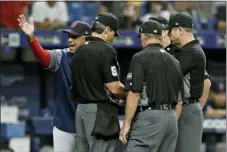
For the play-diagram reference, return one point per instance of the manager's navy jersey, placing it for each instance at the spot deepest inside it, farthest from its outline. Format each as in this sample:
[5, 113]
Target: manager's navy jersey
[64, 116]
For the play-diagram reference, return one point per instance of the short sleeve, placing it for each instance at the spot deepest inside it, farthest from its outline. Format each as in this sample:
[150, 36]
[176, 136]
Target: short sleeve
[137, 74]
[111, 69]
[55, 59]
[207, 76]
[187, 62]
[128, 80]
[181, 92]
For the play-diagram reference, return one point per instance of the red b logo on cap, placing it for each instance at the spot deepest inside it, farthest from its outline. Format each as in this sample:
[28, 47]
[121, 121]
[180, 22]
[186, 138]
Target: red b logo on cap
[73, 24]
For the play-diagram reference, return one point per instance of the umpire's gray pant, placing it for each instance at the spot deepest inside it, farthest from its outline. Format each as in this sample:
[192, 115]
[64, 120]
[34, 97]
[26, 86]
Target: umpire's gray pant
[153, 131]
[190, 128]
[85, 121]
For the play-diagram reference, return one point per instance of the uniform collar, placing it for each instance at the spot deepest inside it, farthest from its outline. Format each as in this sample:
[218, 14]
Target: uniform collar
[154, 44]
[193, 42]
[92, 38]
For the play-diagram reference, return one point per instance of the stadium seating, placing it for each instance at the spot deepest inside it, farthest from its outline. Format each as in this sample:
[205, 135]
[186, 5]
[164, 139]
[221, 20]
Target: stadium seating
[85, 11]
[75, 11]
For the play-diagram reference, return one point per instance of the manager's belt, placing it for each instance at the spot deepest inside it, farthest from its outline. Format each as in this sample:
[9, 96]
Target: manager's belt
[190, 101]
[156, 107]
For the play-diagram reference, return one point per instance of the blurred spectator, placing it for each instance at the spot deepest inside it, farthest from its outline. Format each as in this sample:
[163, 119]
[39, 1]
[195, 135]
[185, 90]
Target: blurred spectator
[105, 6]
[156, 8]
[188, 7]
[50, 14]
[115, 7]
[216, 106]
[204, 9]
[10, 10]
[130, 18]
[221, 18]
[183, 6]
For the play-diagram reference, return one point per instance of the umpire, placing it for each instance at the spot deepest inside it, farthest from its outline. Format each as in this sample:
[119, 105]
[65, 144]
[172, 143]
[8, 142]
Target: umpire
[175, 51]
[155, 83]
[95, 81]
[193, 63]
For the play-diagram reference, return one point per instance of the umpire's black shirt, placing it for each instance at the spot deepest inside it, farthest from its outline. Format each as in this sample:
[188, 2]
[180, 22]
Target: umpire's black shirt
[93, 65]
[193, 62]
[175, 51]
[156, 75]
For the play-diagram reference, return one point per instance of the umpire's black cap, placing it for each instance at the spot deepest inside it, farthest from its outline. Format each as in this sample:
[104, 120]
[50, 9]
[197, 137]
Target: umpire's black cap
[152, 27]
[79, 28]
[180, 19]
[110, 20]
[161, 20]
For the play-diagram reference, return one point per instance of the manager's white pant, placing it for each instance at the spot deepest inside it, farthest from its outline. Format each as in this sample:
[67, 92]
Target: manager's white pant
[64, 141]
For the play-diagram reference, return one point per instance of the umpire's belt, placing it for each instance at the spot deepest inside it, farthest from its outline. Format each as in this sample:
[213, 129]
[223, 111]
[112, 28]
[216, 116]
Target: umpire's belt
[190, 101]
[155, 107]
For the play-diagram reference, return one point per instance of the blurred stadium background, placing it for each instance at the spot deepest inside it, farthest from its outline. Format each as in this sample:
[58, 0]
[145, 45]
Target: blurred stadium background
[28, 90]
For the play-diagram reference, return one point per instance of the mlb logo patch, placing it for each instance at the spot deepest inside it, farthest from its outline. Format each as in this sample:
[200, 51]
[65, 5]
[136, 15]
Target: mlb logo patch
[162, 50]
[96, 18]
[86, 32]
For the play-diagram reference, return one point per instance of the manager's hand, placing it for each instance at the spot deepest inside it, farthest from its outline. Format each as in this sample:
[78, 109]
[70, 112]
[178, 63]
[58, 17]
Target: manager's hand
[27, 28]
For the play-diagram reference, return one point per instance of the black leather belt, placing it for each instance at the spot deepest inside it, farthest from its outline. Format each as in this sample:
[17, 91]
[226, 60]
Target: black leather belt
[156, 107]
[190, 101]
[79, 101]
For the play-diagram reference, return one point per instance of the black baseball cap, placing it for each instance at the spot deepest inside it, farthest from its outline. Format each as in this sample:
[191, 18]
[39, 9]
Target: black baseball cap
[180, 19]
[152, 27]
[79, 28]
[110, 20]
[161, 20]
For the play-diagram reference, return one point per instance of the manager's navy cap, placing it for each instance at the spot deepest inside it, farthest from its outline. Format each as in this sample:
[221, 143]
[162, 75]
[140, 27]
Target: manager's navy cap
[79, 28]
